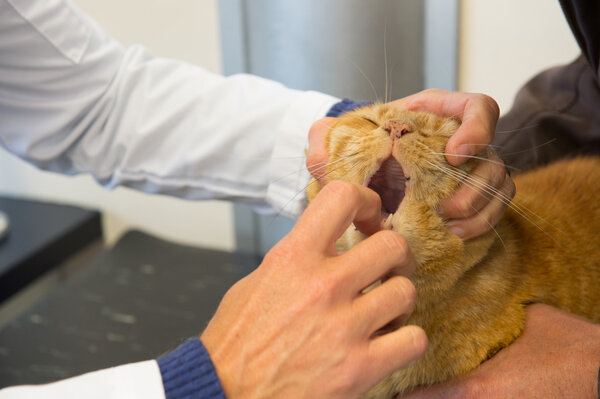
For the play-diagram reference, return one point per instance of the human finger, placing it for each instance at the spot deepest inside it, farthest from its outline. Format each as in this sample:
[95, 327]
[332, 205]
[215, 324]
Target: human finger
[479, 187]
[478, 114]
[486, 218]
[384, 254]
[336, 206]
[478, 124]
[400, 348]
[393, 300]
[316, 155]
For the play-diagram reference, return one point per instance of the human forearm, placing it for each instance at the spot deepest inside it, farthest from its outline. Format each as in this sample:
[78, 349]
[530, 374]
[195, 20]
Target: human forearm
[89, 105]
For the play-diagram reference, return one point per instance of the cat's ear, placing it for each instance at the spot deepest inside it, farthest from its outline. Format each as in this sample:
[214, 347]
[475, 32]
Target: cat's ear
[313, 189]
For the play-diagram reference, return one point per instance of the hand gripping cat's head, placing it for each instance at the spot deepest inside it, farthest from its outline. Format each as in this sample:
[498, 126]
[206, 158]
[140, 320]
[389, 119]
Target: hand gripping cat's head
[400, 155]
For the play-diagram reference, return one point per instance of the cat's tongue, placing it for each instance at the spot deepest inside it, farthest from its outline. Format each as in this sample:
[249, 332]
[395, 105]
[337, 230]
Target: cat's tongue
[389, 182]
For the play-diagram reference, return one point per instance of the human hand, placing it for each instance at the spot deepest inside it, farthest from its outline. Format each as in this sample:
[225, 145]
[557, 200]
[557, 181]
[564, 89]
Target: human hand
[298, 326]
[557, 356]
[470, 214]
[317, 156]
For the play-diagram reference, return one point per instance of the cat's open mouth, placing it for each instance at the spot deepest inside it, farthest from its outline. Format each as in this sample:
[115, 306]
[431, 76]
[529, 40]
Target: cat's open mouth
[390, 183]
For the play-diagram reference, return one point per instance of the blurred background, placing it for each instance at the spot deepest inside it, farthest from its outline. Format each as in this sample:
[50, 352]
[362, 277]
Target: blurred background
[335, 46]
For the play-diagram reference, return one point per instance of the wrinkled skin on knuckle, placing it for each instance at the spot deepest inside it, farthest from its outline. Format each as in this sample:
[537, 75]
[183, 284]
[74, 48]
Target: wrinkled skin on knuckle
[343, 190]
[491, 219]
[498, 174]
[394, 241]
[461, 207]
[350, 379]
[423, 97]
[510, 187]
[406, 292]
[489, 103]
[434, 91]
[317, 290]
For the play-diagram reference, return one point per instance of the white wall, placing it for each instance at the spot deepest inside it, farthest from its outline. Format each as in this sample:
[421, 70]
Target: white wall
[503, 43]
[184, 29]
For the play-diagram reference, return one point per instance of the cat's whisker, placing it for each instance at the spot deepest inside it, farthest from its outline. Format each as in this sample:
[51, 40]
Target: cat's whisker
[328, 163]
[473, 182]
[492, 227]
[517, 130]
[347, 134]
[385, 60]
[367, 79]
[481, 186]
[477, 157]
[515, 205]
[498, 147]
[532, 148]
[271, 158]
[303, 190]
[344, 141]
[322, 166]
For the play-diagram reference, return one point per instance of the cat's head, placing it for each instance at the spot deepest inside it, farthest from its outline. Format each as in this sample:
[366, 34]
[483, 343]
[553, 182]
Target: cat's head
[400, 155]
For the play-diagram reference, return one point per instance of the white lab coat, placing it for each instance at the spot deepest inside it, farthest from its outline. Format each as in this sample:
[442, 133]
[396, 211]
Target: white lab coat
[73, 100]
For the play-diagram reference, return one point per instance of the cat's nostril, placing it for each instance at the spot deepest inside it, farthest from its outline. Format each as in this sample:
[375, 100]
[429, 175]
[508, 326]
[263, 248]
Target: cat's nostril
[397, 129]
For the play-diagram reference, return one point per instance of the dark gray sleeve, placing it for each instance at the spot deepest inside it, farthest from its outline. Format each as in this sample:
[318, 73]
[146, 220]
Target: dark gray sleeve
[555, 115]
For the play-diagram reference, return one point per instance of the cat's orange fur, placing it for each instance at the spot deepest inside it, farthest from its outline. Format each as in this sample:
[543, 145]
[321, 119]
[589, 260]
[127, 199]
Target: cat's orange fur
[471, 295]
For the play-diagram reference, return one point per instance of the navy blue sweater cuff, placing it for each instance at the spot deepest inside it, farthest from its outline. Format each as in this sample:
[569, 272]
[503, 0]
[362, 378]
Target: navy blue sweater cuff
[344, 106]
[187, 372]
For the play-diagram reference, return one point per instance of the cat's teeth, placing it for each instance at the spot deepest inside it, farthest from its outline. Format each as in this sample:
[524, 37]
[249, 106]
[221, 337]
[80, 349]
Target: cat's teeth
[388, 222]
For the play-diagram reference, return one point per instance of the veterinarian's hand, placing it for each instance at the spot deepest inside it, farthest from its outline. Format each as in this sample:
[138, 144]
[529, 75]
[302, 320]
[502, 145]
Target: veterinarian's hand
[471, 213]
[557, 356]
[317, 156]
[298, 326]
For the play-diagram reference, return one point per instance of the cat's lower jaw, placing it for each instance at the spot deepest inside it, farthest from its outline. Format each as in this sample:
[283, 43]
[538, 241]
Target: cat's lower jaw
[445, 263]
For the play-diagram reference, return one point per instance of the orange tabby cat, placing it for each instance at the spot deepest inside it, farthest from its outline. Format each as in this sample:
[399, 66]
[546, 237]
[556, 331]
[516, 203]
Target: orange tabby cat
[471, 295]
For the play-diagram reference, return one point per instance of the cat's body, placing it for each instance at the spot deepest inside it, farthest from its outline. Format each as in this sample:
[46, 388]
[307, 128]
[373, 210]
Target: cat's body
[471, 295]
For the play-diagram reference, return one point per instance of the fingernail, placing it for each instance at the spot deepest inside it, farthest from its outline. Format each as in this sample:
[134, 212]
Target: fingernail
[464, 149]
[457, 231]
[439, 210]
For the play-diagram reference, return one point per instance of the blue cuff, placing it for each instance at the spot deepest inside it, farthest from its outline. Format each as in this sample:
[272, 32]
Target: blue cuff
[344, 106]
[187, 372]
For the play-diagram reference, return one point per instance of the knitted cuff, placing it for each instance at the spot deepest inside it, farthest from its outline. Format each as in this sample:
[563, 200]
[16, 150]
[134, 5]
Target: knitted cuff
[187, 372]
[344, 106]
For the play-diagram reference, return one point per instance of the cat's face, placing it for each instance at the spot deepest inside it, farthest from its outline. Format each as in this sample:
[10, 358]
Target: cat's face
[399, 154]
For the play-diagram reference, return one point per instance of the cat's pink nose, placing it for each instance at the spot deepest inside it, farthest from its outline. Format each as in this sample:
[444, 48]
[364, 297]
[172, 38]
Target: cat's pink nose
[397, 129]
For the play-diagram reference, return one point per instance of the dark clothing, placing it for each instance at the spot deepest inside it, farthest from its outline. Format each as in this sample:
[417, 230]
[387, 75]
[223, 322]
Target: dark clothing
[582, 16]
[557, 113]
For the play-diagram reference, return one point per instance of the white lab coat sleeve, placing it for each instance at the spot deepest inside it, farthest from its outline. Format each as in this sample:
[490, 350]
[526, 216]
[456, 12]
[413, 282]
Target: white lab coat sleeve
[73, 100]
[136, 380]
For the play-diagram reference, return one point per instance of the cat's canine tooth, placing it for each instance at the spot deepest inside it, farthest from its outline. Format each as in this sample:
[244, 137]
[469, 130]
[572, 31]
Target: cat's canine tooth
[388, 222]
[368, 179]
